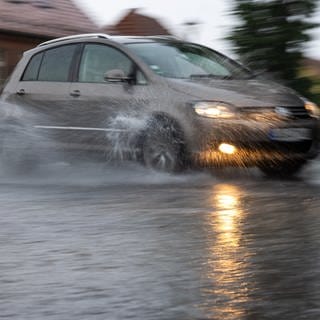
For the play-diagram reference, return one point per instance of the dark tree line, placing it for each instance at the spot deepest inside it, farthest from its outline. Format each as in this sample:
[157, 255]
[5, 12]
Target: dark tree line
[271, 36]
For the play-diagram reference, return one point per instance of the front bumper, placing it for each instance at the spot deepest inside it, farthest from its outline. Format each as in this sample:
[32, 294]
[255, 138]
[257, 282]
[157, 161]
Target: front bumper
[253, 142]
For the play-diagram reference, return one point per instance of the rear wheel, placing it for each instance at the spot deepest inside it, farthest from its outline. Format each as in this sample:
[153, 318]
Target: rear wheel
[283, 169]
[163, 147]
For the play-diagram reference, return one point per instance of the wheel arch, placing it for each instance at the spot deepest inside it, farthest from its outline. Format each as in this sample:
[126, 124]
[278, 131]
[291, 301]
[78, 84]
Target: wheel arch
[166, 120]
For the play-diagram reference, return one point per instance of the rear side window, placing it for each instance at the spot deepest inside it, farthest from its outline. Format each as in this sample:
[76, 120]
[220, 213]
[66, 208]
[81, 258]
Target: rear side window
[51, 65]
[32, 70]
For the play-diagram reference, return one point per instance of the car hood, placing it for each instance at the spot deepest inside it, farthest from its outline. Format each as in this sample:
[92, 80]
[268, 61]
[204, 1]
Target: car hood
[240, 93]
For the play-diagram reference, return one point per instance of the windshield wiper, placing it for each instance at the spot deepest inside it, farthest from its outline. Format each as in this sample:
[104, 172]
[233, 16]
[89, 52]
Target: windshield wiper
[209, 75]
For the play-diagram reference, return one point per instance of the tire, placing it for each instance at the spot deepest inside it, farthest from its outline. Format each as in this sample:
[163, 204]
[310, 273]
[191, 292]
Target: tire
[163, 147]
[283, 169]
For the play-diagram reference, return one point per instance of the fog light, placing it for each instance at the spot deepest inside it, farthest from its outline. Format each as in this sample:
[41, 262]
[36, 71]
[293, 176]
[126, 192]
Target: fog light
[227, 148]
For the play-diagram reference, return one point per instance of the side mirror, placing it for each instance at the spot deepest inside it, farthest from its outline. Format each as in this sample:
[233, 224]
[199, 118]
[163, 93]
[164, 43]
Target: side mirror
[116, 75]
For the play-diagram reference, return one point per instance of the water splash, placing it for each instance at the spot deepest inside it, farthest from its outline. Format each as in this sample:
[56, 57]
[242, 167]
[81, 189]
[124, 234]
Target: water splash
[124, 136]
[21, 145]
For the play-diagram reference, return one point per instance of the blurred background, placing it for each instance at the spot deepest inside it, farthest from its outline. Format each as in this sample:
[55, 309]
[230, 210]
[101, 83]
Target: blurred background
[277, 38]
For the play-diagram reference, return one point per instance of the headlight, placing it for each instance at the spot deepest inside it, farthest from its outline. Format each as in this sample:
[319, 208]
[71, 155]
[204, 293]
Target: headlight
[312, 109]
[212, 109]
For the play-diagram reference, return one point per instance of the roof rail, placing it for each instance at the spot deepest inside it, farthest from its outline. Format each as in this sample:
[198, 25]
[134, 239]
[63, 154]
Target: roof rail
[161, 37]
[164, 37]
[77, 36]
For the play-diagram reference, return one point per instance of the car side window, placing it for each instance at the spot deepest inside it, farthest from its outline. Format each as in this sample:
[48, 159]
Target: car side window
[50, 65]
[56, 63]
[32, 70]
[97, 59]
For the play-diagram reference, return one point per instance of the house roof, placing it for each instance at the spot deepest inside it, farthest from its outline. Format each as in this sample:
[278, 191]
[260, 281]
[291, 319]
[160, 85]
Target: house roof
[134, 23]
[43, 18]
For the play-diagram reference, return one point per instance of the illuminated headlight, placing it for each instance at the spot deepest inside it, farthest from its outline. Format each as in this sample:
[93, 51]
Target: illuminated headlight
[211, 109]
[227, 148]
[313, 109]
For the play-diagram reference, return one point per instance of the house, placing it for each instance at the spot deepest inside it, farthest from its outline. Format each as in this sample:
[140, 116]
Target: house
[311, 69]
[134, 23]
[26, 23]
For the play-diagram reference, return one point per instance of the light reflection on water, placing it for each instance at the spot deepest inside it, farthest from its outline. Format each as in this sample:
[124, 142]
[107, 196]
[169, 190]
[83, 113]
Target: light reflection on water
[226, 267]
[114, 243]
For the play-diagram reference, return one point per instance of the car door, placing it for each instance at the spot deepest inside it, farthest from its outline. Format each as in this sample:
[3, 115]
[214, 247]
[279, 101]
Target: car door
[44, 88]
[102, 107]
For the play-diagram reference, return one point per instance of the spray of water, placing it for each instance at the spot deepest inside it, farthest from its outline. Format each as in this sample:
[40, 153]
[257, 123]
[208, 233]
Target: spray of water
[124, 136]
[24, 147]
[21, 145]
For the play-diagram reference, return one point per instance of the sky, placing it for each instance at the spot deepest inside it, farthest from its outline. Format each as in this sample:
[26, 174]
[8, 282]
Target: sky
[213, 17]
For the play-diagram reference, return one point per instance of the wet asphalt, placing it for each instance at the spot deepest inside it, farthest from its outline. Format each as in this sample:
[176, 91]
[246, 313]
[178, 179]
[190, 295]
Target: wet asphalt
[122, 242]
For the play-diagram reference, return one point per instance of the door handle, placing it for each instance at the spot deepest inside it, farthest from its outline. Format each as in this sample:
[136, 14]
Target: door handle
[21, 92]
[75, 93]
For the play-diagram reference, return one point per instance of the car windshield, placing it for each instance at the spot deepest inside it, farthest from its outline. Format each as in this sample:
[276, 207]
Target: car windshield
[187, 60]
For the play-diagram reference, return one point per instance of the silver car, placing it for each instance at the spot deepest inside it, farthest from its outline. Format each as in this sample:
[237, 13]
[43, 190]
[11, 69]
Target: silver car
[169, 103]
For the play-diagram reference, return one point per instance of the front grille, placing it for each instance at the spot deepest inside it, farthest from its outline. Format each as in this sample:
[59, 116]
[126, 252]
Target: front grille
[289, 147]
[272, 113]
[298, 112]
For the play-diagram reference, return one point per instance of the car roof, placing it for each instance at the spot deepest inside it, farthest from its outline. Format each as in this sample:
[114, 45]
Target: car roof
[120, 39]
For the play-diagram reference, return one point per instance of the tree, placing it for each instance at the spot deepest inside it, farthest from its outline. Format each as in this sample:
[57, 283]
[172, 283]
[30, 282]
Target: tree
[271, 36]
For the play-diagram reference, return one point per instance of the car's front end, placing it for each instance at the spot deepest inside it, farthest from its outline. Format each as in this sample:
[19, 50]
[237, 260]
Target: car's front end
[251, 136]
[234, 118]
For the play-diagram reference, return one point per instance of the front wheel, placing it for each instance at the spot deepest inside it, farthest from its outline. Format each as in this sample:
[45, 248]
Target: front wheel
[283, 169]
[163, 147]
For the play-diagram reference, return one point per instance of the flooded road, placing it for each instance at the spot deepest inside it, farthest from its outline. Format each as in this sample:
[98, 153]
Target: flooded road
[126, 243]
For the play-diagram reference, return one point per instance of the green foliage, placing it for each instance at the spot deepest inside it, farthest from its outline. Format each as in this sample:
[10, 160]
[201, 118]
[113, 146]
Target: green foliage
[271, 35]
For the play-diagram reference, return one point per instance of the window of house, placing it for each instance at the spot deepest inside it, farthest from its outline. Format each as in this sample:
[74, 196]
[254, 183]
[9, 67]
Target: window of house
[45, 4]
[2, 66]
[56, 63]
[17, 1]
[98, 59]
